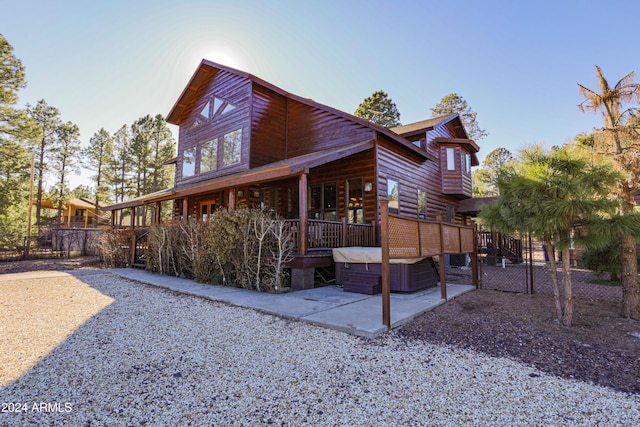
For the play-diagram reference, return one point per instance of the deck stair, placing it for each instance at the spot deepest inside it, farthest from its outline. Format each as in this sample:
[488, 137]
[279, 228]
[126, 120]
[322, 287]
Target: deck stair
[497, 245]
[364, 283]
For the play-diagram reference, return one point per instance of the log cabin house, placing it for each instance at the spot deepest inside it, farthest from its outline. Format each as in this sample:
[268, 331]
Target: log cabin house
[244, 142]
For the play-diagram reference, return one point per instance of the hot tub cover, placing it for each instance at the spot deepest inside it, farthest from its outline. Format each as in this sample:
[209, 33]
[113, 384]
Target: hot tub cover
[367, 255]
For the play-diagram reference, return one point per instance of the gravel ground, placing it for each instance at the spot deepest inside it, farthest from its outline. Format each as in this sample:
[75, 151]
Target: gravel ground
[115, 352]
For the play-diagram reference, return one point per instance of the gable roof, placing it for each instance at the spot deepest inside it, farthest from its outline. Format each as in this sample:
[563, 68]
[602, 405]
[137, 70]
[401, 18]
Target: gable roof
[207, 70]
[420, 126]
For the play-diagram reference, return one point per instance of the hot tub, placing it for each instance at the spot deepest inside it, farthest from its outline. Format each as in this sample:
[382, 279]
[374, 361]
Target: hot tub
[406, 275]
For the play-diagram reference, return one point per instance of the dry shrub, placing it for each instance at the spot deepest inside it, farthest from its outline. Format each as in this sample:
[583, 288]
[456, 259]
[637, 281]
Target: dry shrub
[114, 248]
[243, 248]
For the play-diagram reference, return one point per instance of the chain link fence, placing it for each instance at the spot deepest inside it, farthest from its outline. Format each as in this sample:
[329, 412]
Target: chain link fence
[533, 275]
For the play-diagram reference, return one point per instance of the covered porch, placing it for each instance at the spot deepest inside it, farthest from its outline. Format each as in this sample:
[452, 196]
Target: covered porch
[326, 202]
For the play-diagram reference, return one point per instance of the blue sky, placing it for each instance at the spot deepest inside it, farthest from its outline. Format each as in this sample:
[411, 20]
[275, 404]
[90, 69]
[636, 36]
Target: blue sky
[105, 64]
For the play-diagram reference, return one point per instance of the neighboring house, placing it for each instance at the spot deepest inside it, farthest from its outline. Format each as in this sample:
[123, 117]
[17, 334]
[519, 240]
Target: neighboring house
[76, 213]
[244, 142]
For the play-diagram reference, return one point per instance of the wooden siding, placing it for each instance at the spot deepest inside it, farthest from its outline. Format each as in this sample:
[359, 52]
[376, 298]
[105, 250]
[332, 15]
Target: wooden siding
[237, 91]
[268, 127]
[311, 129]
[412, 173]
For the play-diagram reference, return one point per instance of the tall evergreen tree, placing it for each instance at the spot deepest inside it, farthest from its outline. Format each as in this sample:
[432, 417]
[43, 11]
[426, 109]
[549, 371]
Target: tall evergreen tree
[484, 179]
[454, 103]
[163, 150]
[96, 155]
[119, 168]
[64, 155]
[619, 139]
[15, 130]
[47, 120]
[379, 108]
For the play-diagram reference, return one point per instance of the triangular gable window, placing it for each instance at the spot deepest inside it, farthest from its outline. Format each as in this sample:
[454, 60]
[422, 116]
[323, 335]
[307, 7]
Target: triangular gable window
[205, 110]
[221, 106]
[217, 103]
[226, 108]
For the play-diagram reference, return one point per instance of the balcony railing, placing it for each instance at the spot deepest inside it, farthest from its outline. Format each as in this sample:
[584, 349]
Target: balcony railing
[324, 235]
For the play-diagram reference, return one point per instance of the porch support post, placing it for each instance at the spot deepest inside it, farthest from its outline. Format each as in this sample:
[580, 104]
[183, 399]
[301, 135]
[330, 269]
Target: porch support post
[302, 205]
[443, 267]
[386, 270]
[157, 213]
[345, 235]
[232, 198]
[185, 208]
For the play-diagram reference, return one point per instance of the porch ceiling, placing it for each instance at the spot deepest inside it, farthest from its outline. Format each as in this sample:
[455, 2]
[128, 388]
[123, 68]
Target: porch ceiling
[273, 171]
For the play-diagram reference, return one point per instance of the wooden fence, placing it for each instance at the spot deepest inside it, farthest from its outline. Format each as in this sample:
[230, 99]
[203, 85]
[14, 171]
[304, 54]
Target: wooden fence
[412, 238]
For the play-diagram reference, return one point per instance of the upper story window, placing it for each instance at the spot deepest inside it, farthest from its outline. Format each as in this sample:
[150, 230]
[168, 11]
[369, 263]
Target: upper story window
[466, 162]
[189, 161]
[393, 195]
[451, 158]
[209, 156]
[232, 147]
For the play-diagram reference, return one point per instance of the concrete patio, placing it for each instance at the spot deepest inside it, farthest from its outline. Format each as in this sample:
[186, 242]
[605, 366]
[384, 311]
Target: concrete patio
[328, 306]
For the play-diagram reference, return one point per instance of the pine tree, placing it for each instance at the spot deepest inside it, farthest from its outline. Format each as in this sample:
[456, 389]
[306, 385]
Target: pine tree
[96, 156]
[47, 121]
[454, 103]
[64, 154]
[380, 109]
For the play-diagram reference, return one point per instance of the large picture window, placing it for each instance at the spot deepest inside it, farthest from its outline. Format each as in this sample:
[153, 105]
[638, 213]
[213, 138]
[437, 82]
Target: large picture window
[189, 161]
[232, 147]
[209, 156]
[323, 201]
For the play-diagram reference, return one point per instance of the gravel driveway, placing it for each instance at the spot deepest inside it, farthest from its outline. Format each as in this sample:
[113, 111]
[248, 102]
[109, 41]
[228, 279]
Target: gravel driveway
[95, 349]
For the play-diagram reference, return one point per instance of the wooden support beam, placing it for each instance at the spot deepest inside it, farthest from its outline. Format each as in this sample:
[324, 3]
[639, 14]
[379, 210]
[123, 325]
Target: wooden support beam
[304, 212]
[185, 208]
[443, 267]
[385, 267]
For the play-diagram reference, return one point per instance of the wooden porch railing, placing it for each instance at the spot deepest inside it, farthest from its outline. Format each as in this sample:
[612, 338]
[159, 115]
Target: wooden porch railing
[324, 235]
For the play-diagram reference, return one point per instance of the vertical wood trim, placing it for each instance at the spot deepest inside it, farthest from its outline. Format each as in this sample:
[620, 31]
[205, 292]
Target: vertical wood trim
[232, 198]
[304, 212]
[185, 208]
[386, 279]
[344, 232]
[443, 267]
[376, 191]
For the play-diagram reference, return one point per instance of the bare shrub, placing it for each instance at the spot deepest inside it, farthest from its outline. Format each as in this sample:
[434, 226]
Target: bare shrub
[242, 248]
[114, 248]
